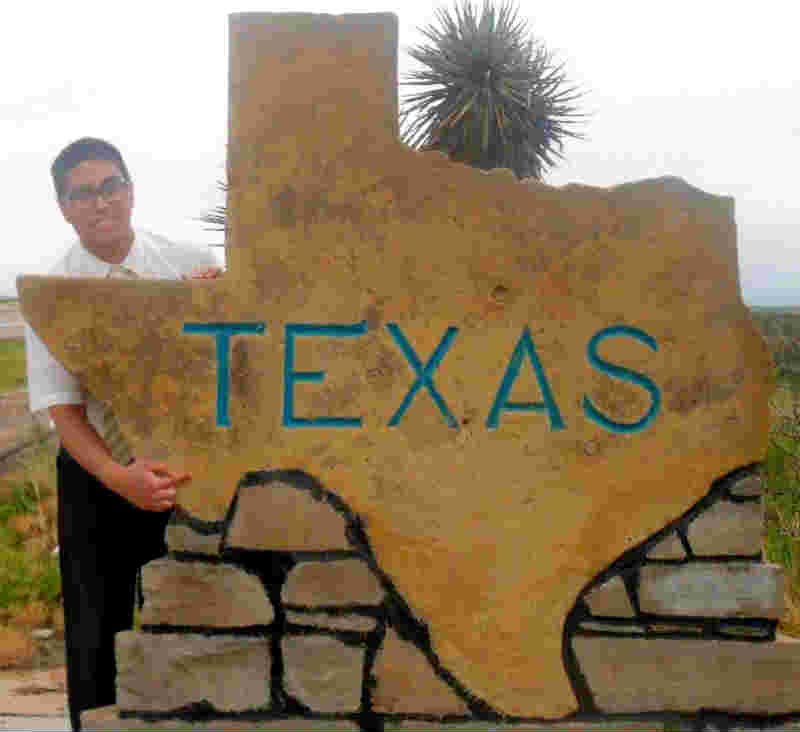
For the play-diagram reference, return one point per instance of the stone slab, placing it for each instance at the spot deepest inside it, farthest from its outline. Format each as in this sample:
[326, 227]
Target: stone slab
[163, 672]
[727, 528]
[639, 675]
[713, 589]
[670, 547]
[340, 582]
[610, 600]
[181, 538]
[281, 517]
[196, 593]
[323, 673]
[601, 726]
[407, 684]
[106, 719]
[334, 221]
[360, 623]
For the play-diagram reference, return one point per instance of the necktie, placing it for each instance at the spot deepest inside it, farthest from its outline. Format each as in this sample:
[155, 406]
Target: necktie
[120, 449]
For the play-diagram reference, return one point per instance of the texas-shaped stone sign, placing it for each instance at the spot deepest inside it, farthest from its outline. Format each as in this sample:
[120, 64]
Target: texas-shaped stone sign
[510, 383]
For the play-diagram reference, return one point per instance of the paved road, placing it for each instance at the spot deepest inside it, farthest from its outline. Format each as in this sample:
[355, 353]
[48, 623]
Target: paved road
[33, 700]
[11, 325]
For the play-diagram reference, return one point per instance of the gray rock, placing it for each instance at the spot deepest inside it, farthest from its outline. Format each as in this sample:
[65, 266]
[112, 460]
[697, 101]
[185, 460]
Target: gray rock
[159, 673]
[197, 593]
[727, 528]
[341, 582]
[713, 589]
[610, 599]
[323, 673]
[668, 548]
[629, 675]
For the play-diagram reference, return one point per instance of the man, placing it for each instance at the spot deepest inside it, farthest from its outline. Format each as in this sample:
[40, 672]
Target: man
[113, 508]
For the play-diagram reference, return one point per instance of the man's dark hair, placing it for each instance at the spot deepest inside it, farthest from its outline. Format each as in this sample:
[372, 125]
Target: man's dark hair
[87, 148]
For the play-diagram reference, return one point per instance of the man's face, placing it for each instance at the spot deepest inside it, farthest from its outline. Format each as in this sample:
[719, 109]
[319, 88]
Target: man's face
[98, 202]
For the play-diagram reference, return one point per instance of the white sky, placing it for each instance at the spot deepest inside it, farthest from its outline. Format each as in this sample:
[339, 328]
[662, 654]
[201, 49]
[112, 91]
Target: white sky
[706, 90]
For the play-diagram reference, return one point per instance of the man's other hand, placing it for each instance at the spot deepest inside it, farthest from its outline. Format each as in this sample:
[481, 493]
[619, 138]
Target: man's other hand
[207, 273]
[149, 485]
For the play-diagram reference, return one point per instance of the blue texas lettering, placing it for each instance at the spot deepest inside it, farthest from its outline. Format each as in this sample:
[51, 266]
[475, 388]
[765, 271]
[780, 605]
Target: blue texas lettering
[222, 333]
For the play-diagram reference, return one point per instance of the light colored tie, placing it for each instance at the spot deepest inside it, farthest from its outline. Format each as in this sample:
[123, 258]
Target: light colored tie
[120, 449]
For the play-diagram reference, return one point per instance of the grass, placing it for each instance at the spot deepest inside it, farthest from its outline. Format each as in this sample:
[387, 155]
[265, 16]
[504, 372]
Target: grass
[781, 471]
[12, 365]
[30, 581]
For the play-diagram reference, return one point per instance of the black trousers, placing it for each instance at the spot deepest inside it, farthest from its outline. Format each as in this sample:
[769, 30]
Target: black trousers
[104, 540]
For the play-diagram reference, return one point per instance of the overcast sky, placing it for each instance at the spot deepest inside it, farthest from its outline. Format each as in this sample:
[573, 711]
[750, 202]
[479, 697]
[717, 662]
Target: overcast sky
[703, 89]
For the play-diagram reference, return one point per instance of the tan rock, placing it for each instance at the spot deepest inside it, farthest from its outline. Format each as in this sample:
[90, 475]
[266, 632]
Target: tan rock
[727, 528]
[407, 684]
[106, 719]
[656, 674]
[280, 516]
[323, 673]
[159, 673]
[195, 593]
[670, 547]
[181, 538]
[713, 589]
[360, 623]
[610, 600]
[341, 582]
[334, 221]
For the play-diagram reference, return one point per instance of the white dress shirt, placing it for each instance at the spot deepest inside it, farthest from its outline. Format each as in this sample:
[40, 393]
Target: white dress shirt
[150, 257]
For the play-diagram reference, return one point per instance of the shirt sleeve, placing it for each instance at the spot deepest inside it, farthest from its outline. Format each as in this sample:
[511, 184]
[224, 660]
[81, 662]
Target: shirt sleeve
[49, 383]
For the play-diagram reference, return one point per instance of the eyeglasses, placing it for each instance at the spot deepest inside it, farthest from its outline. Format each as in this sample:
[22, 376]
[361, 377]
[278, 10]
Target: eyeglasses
[109, 189]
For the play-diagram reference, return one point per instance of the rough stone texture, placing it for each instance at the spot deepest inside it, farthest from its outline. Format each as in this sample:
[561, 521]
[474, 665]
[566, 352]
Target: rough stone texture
[194, 593]
[713, 589]
[182, 538]
[334, 221]
[323, 673]
[752, 485]
[360, 623]
[638, 674]
[106, 719]
[610, 599]
[669, 548]
[615, 726]
[407, 684]
[159, 673]
[279, 516]
[727, 528]
[341, 582]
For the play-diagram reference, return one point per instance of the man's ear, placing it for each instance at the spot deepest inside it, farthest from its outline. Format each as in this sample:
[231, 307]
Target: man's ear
[63, 208]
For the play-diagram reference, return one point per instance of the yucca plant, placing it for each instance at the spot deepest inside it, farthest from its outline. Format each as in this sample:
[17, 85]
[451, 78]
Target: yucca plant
[493, 97]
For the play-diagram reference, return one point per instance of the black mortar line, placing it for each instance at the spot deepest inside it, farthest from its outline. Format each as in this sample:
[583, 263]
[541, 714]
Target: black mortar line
[627, 566]
[403, 620]
[367, 719]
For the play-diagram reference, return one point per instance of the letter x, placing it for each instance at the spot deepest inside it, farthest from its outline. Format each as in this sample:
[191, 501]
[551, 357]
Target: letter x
[424, 374]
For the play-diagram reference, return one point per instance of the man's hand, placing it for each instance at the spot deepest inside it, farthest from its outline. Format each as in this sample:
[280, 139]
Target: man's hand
[148, 485]
[209, 273]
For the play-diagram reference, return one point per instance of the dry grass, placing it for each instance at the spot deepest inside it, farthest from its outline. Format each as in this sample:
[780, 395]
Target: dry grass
[34, 614]
[16, 647]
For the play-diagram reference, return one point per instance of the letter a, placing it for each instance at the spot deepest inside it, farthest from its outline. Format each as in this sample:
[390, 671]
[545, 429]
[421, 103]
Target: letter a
[501, 403]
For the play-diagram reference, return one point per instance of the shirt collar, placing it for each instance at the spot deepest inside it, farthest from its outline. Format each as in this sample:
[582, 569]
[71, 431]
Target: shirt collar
[135, 259]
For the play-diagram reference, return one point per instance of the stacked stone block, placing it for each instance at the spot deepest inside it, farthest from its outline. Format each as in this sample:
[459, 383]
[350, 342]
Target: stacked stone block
[279, 618]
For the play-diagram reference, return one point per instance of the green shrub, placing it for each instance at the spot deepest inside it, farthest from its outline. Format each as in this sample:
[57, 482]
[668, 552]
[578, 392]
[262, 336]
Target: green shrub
[12, 365]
